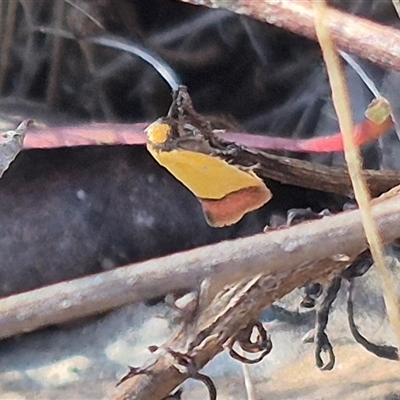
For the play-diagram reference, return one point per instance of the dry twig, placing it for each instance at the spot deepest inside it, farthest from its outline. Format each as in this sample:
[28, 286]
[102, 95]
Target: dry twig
[281, 254]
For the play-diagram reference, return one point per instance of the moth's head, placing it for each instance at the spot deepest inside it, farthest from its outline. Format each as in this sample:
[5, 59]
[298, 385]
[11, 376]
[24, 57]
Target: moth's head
[158, 132]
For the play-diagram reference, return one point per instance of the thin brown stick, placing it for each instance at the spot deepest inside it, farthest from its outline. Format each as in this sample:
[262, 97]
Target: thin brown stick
[286, 251]
[372, 41]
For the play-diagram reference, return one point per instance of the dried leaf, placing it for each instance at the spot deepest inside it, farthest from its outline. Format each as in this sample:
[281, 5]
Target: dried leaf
[11, 144]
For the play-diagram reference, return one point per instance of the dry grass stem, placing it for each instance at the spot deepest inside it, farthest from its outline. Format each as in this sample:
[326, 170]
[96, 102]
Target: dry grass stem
[341, 101]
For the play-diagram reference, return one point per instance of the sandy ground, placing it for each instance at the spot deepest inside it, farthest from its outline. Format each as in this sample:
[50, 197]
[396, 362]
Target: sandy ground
[84, 361]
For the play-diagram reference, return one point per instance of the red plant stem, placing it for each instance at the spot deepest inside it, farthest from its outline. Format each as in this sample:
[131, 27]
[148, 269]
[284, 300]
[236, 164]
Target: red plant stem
[132, 134]
[364, 133]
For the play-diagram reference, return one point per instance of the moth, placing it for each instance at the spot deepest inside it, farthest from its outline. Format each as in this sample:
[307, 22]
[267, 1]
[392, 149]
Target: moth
[184, 143]
[222, 174]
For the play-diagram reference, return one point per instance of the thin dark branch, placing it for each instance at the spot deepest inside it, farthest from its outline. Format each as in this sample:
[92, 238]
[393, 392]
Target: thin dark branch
[383, 351]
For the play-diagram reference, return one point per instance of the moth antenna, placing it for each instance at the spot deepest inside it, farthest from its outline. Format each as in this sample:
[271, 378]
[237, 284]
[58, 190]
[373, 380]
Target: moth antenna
[119, 43]
[368, 82]
[361, 73]
[146, 55]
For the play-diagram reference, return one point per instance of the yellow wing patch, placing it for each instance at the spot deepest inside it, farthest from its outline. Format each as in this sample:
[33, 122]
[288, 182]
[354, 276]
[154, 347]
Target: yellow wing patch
[208, 177]
[225, 191]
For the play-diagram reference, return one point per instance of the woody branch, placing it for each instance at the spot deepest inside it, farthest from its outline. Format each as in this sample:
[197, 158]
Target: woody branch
[369, 40]
[283, 261]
